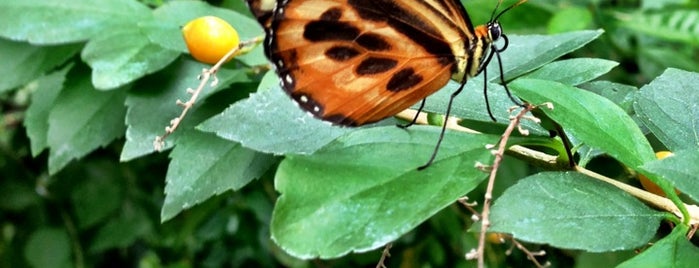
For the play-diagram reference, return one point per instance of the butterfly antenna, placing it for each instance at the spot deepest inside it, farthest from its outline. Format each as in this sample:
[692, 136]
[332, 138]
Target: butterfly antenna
[495, 10]
[506, 9]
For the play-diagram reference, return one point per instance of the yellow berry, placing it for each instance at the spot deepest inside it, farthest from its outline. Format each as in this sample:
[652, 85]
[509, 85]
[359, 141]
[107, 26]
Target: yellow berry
[649, 185]
[209, 38]
[496, 238]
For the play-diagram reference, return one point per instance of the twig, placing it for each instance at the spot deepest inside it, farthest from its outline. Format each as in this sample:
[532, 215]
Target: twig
[475, 216]
[485, 215]
[647, 197]
[204, 77]
[384, 255]
[530, 255]
[452, 122]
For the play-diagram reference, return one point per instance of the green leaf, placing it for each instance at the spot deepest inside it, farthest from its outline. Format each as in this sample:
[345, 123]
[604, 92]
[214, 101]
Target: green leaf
[672, 251]
[23, 62]
[604, 259]
[593, 119]
[570, 210]
[573, 72]
[83, 119]
[66, 21]
[270, 122]
[677, 25]
[528, 52]
[220, 165]
[569, 19]
[152, 104]
[681, 169]
[121, 56]
[364, 190]
[623, 95]
[48, 247]
[37, 119]
[668, 107]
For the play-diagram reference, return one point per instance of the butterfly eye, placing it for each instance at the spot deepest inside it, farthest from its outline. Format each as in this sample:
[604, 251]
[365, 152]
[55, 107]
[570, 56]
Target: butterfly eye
[495, 30]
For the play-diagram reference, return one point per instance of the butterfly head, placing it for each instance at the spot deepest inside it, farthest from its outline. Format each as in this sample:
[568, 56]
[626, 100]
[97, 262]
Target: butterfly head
[485, 47]
[494, 30]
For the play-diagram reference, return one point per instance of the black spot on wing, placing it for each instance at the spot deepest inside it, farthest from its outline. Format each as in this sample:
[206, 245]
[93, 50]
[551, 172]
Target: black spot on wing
[317, 31]
[375, 65]
[373, 42]
[403, 80]
[332, 14]
[341, 53]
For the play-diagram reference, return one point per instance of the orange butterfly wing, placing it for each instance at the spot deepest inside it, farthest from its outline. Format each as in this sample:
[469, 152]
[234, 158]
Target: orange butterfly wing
[354, 62]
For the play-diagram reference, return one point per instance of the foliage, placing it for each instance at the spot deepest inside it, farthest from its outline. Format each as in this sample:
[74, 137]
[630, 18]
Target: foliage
[249, 179]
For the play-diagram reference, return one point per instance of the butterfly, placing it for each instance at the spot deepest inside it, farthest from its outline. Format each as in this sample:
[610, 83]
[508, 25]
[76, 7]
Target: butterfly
[355, 62]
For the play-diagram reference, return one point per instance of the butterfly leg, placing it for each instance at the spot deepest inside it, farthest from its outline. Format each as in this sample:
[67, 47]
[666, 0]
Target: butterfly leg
[419, 110]
[444, 126]
[483, 68]
[485, 94]
[497, 51]
[516, 101]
